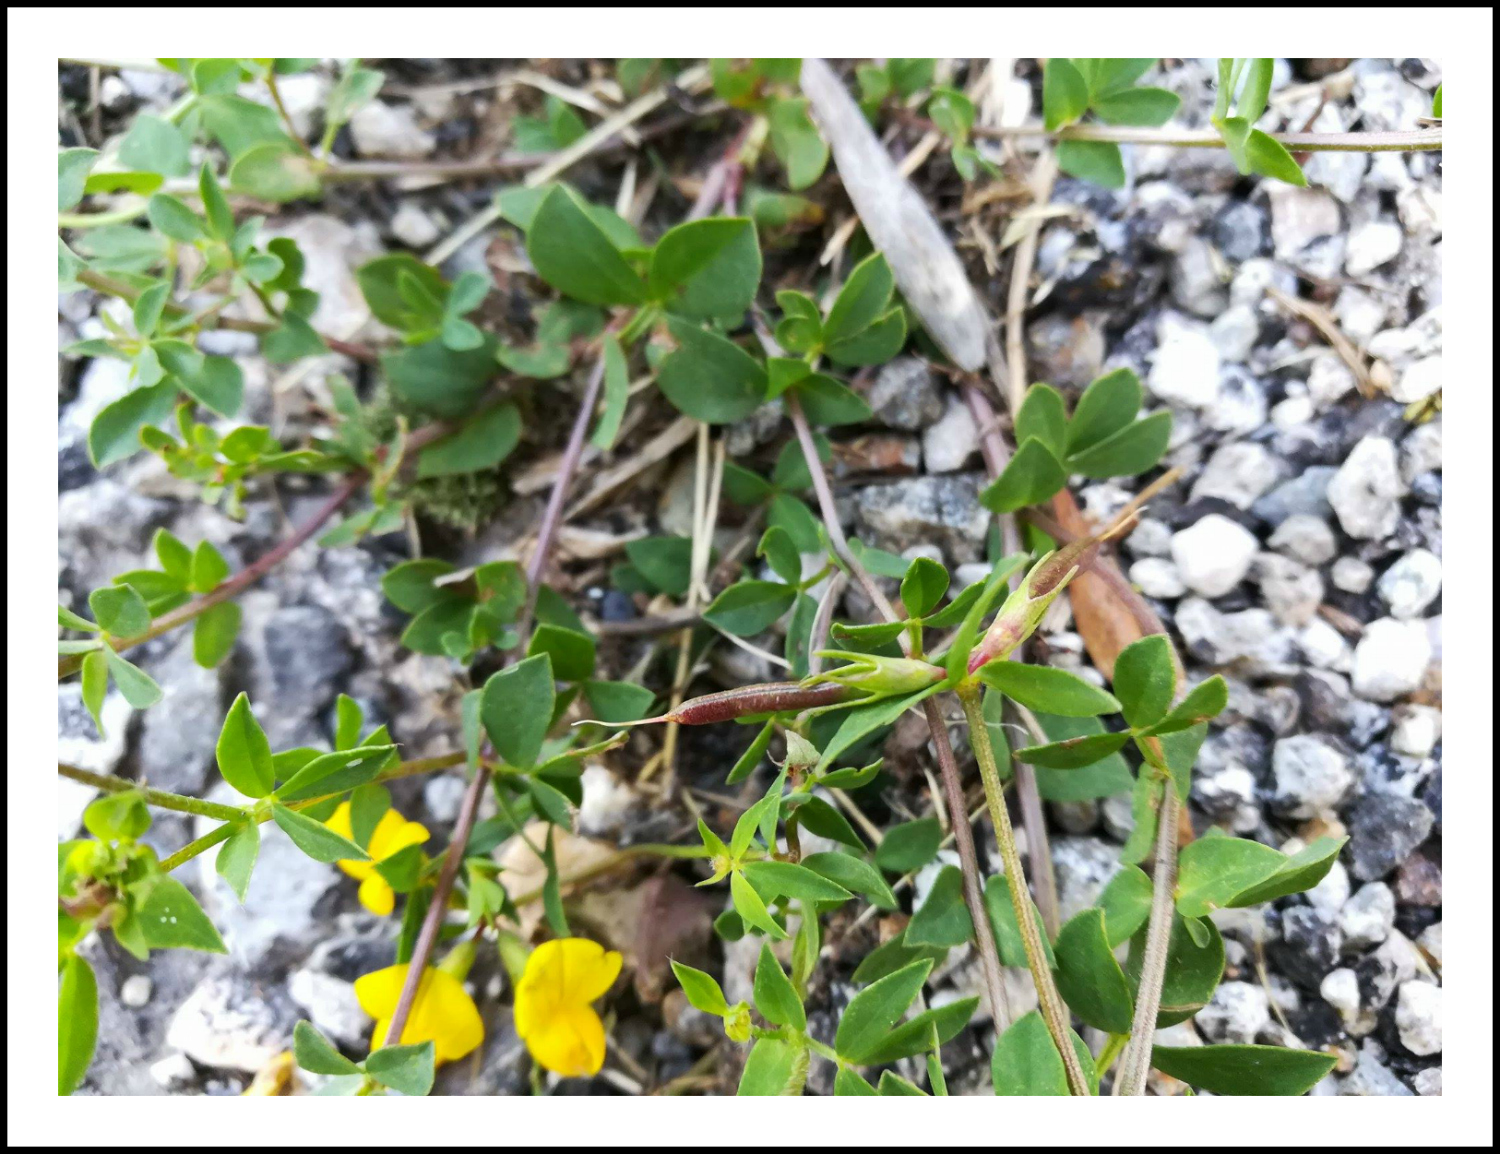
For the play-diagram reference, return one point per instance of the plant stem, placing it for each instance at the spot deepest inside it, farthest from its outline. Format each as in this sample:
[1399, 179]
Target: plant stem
[619, 857]
[1112, 1047]
[235, 585]
[286, 117]
[1054, 1012]
[963, 836]
[123, 215]
[157, 797]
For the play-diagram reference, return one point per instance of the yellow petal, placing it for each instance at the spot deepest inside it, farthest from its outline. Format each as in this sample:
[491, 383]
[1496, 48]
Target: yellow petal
[445, 1013]
[341, 823]
[376, 895]
[377, 992]
[584, 970]
[392, 840]
[390, 821]
[570, 1043]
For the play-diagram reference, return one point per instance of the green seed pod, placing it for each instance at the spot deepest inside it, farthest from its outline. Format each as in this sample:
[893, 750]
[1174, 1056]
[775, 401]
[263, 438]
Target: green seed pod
[1024, 608]
[878, 675]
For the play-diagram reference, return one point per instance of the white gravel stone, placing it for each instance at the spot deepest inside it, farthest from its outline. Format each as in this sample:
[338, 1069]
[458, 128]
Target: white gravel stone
[1419, 1017]
[1390, 659]
[1238, 472]
[1419, 380]
[1330, 894]
[1429, 1082]
[413, 227]
[1351, 575]
[1312, 777]
[220, 1025]
[1305, 538]
[381, 129]
[1292, 591]
[331, 1005]
[1368, 917]
[1213, 555]
[1431, 942]
[1416, 729]
[135, 991]
[1238, 1011]
[1234, 332]
[1157, 577]
[1412, 583]
[1340, 989]
[1371, 245]
[1329, 380]
[1324, 646]
[1366, 492]
[1185, 368]
[950, 441]
[1293, 412]
[173, 1072]
[607, 802]
[1150, 538]
[1300, 216]
[1422, 450]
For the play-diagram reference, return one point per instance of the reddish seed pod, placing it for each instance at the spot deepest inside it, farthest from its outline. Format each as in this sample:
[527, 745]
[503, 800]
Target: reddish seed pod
[769, 697]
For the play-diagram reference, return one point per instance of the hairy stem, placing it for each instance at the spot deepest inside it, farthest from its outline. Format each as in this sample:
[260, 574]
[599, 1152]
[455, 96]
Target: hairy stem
[235, 585]
[157, 797]
[968, 858]
[1054, 1012]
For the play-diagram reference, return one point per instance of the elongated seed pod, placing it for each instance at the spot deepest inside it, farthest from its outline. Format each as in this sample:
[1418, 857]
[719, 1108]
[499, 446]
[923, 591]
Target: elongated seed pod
[746, 701]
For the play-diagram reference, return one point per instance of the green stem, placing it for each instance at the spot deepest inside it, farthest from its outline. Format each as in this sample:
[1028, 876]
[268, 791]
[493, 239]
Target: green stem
[1054, 1012]
[125, 215]
[1111, 1051]
[157, 797]
[214, 837]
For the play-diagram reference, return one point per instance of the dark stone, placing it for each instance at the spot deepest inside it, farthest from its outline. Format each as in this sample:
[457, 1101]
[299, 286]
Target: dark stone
[1419, 882]
[1316, 1023]
[1433, 794]
[308, 652]
[1305, 493]
[1383, 830]
[1378, 979]
[1242, 230]
[74, 470]
[616, 606]
[1309, 946]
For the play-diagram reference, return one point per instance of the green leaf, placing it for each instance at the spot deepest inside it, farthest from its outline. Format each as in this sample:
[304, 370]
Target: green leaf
[77, 1016]
[406, 1069]
[572, 653]
[172, 218]
[1212, 870]
[863, 720]
[314, 838]
[666, 562]
[853, 874]
[243, 753]
[923, 586]
[1093, 160]
[236, 858]
[943, 919]
[1143, 107]
[572, 253]
[769, 1069]
[517, 709]
[707, 268]
[120, 611]
[773, 879]
[874, 345]
[916, 1033]
[1088, 977]
[73, 166]
[1132, 450]
[863, 299]
[1050, 690]
[1043, 416]
[1145, 680]
[1192, 974]
[796, 142]
[409, 585]
[316, 1054]
[214, 632]
[1126, 902]
[709, 377]
[207, 568]
[1031, 476]
[1065, 95]
[780, 552]
[775, 997]
[155, 145]
[1002, 914]
[1266, 156]
[1207, 699]
[171, 918]
[1106, 407]
[214, 382]
[134, 685]
[402, 291]
[829, 402]
[1073, 752]
[1301, 872]
[616, 393]
[95, 685]
[278, 171]
[1244, 1070]
[702, 991]
[748, 904]
[874, 1010]
[750, 607]
[482, 442]
[335, 772]
[1437, 102]
[952, 112]
[909, 846]
[1026, 1062]
[848, 1084]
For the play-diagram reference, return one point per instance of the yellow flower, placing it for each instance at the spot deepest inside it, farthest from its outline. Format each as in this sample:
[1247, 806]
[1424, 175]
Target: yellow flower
[443, 1012]
[553, 1011]
[393, 833]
